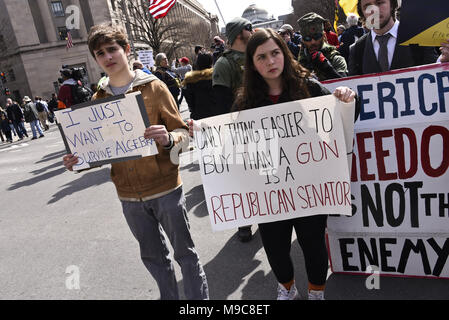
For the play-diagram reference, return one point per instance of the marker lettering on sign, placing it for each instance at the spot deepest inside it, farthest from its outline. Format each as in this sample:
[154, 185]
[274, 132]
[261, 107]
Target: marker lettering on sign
[283, 126]
[90, 136]
[236, 206]
[73, 123]
[107, 111]
[305, 152]
[243, 133]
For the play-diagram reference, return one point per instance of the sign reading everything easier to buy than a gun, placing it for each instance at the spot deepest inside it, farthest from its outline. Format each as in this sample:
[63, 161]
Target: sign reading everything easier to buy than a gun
[399, 177]
[107, 130]
[277, 162]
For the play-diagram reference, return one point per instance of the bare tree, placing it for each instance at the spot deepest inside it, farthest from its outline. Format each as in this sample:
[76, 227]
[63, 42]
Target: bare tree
[159, 34]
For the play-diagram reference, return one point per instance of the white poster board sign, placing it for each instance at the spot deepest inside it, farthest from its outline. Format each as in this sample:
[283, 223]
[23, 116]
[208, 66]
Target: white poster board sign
[275, 163]
[146, 57]
[106, 130]
[399, 177]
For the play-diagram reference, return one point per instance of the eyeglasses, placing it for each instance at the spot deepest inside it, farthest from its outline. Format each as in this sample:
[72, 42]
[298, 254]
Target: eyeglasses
[248, 27]
[316, 36]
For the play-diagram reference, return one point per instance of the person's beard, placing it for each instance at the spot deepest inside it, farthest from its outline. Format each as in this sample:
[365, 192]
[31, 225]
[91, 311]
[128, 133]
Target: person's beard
[314, 48]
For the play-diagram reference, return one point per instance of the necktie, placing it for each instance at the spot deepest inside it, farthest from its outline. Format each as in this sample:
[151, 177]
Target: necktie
[383, 52]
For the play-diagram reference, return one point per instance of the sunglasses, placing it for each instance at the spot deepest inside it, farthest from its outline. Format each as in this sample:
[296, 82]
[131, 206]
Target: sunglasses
[248, 27]
[316, 36]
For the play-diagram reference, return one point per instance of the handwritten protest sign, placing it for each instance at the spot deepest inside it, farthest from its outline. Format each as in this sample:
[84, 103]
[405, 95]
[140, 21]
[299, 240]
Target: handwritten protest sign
[432, 27]
[275, 163]
[107, 130]
[399, 177]
[146, 57]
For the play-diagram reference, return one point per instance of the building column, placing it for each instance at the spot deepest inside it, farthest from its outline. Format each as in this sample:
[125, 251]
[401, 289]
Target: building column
[47, 20]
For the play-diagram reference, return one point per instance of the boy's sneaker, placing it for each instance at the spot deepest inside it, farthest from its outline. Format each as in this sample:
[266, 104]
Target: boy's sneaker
[284, 294]
[316, 295]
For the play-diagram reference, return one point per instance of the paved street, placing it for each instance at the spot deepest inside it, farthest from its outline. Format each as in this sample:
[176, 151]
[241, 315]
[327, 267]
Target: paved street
[53, 221]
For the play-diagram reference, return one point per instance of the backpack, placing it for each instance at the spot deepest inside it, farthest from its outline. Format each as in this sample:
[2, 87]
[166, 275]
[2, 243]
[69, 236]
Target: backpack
[39, 107]
[80, 93]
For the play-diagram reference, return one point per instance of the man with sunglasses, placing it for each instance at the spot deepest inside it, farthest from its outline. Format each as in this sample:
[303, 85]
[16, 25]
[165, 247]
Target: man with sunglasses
[227, 78]
[316, 54]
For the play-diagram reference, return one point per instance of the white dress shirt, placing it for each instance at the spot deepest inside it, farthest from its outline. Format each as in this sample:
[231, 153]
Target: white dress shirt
[391, 42]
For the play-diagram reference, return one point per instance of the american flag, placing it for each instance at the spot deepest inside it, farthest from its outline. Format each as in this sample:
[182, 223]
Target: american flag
[160, 8]
[69, 40]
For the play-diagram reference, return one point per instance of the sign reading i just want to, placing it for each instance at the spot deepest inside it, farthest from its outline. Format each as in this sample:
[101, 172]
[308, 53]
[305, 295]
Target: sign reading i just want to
[106, 130]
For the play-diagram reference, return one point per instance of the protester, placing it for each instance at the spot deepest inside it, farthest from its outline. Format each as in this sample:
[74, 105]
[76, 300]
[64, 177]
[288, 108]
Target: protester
[378, 50]
[331, 36]
[227, 77]
[150, 189]
[351, 35]
[65, 91]
[52, 107]
[340, 29]
[32, 117]
[271, 77]
[164, 73]
[139, 65]
[16, 118]
[181, 72]
[42, 110]
[219, 48]
[4, 126]
[286, 32]
[316, 55]
[198, 92]
[197, 50]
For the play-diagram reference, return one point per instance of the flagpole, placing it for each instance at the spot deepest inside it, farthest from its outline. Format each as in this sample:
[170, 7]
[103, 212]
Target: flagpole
[221, 15]
[128, 29]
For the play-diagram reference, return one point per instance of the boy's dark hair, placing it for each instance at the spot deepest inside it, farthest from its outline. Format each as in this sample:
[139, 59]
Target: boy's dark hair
[106, 33]
[393, 5]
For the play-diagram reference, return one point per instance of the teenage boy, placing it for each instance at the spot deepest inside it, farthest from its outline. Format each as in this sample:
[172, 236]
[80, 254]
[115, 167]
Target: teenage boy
[150, 188]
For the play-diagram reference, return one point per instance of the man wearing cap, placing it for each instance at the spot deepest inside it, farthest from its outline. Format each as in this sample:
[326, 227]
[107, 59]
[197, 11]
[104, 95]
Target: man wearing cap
[286, 32]
[228, 70]
[227, 77]
[317, 55]
[32, 117]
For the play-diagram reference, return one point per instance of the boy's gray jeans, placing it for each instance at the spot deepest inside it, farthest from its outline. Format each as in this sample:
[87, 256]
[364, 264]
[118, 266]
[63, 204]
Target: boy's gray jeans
[146, 220]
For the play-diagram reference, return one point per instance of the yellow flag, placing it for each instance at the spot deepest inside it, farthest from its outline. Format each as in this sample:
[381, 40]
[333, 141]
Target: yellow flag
[431, 37]
[349, 6]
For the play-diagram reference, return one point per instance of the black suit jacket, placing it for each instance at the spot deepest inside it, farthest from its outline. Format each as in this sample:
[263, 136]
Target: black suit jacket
[362, 59]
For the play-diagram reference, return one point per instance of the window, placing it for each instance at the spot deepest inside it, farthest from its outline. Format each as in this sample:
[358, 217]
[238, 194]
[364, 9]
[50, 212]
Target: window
[62, 32]
[57, 8]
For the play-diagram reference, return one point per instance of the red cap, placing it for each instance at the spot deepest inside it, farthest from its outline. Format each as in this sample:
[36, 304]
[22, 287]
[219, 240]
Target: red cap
[184, 60]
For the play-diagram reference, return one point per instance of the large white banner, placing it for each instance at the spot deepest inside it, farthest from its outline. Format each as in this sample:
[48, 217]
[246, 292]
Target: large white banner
[399, 176]
[277, 162]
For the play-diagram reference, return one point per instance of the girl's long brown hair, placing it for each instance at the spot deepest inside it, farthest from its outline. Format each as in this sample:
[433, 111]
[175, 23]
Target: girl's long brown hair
[254, 90]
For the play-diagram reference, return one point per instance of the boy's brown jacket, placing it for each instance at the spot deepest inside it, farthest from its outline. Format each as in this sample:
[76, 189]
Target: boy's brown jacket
[147, 177]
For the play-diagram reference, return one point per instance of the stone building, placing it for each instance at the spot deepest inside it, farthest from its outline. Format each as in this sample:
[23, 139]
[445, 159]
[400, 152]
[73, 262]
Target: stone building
[33, 45]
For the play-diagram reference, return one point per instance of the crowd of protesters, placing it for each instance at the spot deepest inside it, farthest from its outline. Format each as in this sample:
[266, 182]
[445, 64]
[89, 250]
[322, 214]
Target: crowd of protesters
[252, 68]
